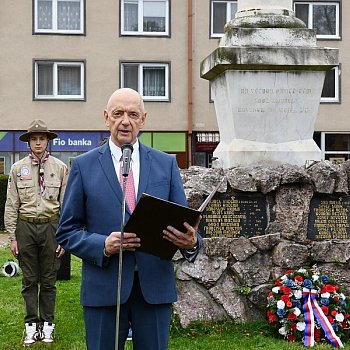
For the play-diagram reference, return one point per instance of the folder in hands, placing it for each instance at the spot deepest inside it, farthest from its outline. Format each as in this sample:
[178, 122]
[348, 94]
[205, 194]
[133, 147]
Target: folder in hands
[152, 215]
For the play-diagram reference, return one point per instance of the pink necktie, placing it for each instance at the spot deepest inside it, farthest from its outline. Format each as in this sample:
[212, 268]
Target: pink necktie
[130, 196]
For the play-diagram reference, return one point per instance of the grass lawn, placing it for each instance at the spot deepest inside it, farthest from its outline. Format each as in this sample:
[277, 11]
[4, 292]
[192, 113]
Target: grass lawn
[70, 326]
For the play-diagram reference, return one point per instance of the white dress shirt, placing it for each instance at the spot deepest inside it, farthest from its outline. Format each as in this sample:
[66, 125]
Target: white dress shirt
[135, 161]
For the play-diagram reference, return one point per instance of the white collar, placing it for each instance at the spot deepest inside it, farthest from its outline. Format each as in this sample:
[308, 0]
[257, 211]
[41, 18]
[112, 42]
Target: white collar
[117, 152]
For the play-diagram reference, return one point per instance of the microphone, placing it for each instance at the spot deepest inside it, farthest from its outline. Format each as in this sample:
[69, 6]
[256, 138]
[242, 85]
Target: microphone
[127, 149]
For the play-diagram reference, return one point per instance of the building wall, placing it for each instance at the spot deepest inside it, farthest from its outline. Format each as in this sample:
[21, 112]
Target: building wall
[103, 48]
[335, 116]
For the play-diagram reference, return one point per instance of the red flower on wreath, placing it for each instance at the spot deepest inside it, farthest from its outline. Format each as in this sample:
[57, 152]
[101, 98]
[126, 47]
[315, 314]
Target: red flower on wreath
[285, 298]
[299, 279]
[325, 309]
[292, 317]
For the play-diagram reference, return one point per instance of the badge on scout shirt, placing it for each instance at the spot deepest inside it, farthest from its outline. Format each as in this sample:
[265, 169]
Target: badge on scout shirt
[25, 171]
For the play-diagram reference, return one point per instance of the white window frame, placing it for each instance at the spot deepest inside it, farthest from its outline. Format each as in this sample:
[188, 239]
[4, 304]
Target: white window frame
[228, 16]
[55, 95]
[310, 17]
[140, 19]
[336, 98]
[323, 145]
[166, 97]
[54, 19]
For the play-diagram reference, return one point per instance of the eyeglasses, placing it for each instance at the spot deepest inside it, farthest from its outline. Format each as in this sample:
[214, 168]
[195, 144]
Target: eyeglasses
[118, 114]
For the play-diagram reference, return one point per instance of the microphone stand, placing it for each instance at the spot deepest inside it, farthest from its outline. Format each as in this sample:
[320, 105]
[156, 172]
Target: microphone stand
[120, 266]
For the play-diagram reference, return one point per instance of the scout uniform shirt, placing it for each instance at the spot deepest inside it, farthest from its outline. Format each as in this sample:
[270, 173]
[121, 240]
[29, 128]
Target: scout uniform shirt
[23, 191]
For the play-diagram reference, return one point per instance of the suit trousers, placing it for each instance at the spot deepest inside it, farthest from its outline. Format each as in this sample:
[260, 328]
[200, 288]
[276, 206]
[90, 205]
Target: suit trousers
[39, 263]
[150, 324]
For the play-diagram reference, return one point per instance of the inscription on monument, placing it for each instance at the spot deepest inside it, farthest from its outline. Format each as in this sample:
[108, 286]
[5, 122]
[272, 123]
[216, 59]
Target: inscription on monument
[329, 218]
[273, 100]
[234, 215]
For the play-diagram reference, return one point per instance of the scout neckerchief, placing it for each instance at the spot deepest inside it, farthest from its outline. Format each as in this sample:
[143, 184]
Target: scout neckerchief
[40, 163]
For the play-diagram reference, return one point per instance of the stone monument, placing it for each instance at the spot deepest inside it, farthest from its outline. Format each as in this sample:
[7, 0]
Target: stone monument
[266, 81]
[273, 213]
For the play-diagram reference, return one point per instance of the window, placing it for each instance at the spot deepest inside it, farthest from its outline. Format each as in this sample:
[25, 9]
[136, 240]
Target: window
[335, 146]
[221, 12]
[59, 16]
[330, 91]
[59, 80]
[151, 80]
[322, 16]
[144, 17]
[208, 137]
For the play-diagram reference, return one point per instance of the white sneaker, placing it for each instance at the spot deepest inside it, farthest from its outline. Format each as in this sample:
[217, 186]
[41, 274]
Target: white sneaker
[31, 333]
[47, 332]
[129, 335]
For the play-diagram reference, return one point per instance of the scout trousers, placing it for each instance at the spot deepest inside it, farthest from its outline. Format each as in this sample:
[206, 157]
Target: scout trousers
[39, 263]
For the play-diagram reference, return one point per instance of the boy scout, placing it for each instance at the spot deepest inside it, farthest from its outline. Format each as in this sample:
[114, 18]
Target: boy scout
[35, 192]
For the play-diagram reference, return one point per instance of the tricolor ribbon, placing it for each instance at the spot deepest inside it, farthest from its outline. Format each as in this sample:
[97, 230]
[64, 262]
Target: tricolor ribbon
[311, 311]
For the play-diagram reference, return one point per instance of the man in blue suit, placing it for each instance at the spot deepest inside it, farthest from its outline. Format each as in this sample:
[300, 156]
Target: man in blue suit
[90, 224]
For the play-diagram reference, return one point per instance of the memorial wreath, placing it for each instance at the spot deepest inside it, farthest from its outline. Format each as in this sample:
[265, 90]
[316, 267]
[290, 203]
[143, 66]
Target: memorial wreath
[306, 305]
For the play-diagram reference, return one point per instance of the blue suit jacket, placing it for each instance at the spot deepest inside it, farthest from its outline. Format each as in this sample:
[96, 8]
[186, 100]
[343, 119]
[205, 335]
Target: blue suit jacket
[92, 210]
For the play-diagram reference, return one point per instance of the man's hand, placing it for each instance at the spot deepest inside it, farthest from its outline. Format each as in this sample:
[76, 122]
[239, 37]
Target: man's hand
[112, 242]
[14, 248]
[182, 240]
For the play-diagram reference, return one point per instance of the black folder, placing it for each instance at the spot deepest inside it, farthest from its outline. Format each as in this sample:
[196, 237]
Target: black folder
[152, 215]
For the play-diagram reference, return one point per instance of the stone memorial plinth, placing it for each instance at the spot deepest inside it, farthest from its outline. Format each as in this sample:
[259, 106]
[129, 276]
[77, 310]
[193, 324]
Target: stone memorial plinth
[266, 81]
[305, 216]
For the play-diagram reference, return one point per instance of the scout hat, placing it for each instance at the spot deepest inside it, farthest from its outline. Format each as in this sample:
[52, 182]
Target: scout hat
[37, 125]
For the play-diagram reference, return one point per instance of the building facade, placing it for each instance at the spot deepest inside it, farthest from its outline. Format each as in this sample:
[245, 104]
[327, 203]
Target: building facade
[61, 60]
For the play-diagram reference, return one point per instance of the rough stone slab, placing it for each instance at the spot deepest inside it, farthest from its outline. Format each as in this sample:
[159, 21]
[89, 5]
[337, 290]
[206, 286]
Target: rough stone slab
[324, 176]
[217, 247]
[332, 251]
[205, 270]
[232, 302]
[258, 296]
[292, 210]
[195, 304]
[254, 271]
[266, 242]
[241, 179]
[290, 255]
[241, 249]
[293, 174]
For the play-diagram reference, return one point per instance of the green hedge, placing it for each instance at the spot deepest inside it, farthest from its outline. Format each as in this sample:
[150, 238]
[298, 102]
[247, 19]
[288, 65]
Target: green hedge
[3, 190]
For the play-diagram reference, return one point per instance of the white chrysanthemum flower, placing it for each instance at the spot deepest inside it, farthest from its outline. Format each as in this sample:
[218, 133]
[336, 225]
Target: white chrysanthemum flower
[315, 277]
[325, 295]
[296, 311]
[342, 296]
[281, 304]
[302, 270]
[282, 331]
[284, 278]
[339, 317]
[298, 293]
[301, 326]
[275, 289]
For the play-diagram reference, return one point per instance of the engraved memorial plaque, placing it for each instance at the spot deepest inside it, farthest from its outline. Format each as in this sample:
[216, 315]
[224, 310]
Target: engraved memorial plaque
[329, 218]
[235, 214]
